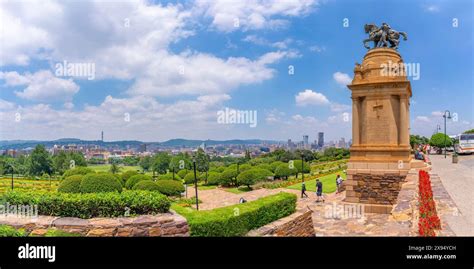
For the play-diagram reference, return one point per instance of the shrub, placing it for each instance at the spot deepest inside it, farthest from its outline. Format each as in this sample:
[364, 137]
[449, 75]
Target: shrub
[146, 185]
[170, 187]
[103, 182]
[168, 176]
[78, 171]
[182, 173]
[228, 177]
[213, 178]
[224, 222]
[89, 205]
[9, 231]
[189, 178]
[135, 179]
[71, 184]
[126, 175]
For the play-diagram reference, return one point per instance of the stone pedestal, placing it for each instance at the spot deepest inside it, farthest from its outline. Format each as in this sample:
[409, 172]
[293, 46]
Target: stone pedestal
[380, 151]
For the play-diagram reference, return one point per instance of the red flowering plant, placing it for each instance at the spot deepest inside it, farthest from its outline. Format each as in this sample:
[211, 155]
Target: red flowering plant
[429, 220]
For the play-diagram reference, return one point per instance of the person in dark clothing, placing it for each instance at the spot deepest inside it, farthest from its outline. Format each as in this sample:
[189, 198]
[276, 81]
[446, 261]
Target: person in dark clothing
[319, 190]
[303, 190]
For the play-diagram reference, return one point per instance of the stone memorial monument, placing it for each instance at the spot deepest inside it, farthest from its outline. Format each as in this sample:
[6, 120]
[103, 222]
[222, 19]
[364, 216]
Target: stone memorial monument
[380, 151]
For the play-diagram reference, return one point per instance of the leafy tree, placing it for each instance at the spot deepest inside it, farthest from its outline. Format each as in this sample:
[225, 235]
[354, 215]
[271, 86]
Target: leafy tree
[63, 161]
[284, 171]
[438, 140]
[161, 162]
[145, 163]
[202, 162]
[40, 161]
[114, 168]
[471, 131]
[297, 166]
[418, 140]
[247, 178]
[131, 160]
[229, 176]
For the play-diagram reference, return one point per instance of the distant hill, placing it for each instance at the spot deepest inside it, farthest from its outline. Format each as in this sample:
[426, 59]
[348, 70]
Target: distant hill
[179, 142]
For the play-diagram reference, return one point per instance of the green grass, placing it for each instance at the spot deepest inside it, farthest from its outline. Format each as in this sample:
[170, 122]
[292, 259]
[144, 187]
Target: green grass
[28, 184]
[237, 190]
[106, 168]
[329, 183]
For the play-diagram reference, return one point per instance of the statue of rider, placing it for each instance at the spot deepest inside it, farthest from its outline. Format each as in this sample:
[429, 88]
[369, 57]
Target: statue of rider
[385, 28]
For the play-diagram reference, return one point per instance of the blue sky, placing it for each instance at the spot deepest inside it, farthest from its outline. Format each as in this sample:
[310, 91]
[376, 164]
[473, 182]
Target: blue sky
[164, 69]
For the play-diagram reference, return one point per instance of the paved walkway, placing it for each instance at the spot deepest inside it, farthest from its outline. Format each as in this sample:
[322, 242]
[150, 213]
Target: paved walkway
[328, 217]
[458, 180]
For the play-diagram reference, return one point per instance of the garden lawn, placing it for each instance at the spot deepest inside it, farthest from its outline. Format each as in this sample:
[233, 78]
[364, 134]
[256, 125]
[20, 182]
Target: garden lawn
[106, 168]
[329, 183]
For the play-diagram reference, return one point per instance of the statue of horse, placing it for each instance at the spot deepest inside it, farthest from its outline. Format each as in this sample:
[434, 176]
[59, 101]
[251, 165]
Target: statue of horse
[376, 33]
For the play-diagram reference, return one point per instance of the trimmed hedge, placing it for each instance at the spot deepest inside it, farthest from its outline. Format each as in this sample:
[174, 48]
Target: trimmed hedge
[126, 175]
[135, 179]
[89, 205]
[239, 219]
[146, 185]
[170, 187]
[71, 184]
[101, 182]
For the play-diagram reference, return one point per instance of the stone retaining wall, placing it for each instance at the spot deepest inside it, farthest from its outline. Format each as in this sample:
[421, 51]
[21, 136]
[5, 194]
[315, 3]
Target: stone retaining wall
[377, 189]
[168, 224]
[297, 224]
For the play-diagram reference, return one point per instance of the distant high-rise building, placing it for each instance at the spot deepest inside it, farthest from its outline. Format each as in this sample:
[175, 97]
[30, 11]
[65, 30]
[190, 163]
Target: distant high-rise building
[320, 139]
[305, 141]
[102, 136]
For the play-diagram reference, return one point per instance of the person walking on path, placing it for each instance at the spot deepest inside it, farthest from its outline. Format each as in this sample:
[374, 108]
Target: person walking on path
[319, 190]
[338, 183]
[303, 190]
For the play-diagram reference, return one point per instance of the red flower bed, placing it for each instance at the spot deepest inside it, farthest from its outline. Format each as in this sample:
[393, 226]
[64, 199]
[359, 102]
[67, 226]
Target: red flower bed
[429, 220]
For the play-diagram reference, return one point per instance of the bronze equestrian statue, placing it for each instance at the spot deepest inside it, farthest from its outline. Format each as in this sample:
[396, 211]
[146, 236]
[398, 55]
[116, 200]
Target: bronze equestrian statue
[383, 36]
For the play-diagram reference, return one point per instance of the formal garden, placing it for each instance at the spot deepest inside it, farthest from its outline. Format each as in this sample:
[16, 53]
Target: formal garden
[159, 183]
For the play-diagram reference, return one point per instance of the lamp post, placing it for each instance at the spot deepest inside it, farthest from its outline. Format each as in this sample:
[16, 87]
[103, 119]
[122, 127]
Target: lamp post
[446, 114]
[195, 183]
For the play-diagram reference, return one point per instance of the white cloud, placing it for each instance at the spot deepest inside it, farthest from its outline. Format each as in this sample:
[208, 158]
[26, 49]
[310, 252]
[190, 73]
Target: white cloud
[257, 40]
[253, 14]
[437, 114]
[5, 105]
[309, 97]
[432, 8]
[149, 120]
[41, 86]
[342, 79]
[422, 119]
[316, 48]
[335, 107]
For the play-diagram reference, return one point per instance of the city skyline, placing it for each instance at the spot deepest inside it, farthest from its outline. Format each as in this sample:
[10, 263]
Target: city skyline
[163, 70]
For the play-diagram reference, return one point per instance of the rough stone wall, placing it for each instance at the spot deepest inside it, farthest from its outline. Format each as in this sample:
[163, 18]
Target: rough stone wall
[298, 224]
[377, 189]
[169, 224]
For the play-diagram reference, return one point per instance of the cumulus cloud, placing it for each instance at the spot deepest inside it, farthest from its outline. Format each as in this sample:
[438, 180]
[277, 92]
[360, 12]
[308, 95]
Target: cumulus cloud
[138, 117]
[342, 79]
[229, 16]
[41, 86]
[310, 97]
